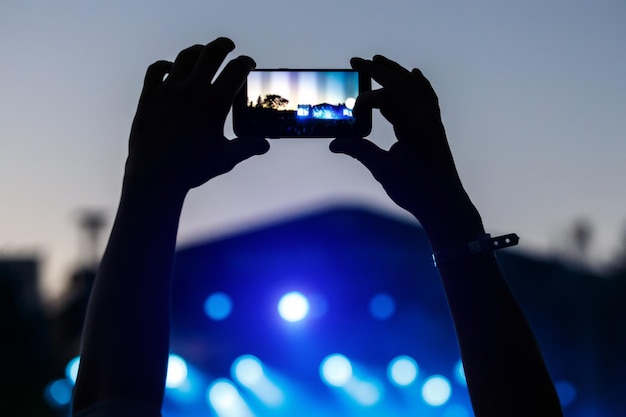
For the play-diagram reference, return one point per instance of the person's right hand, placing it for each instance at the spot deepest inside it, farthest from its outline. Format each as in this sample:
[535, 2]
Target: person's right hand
[177, 138]
[418, 171]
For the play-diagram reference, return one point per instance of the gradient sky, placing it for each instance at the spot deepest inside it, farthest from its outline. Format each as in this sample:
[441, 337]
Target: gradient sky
[533, 96]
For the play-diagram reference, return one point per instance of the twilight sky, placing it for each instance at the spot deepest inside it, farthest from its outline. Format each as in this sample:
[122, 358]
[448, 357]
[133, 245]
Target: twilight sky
[533, 96]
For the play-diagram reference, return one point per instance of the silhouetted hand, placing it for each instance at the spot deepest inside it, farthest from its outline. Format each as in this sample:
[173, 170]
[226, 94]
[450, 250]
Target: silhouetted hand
[418, 171]
[177, 138]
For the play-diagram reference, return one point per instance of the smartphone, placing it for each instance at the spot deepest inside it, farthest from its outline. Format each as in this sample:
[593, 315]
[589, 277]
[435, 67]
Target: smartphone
[301, 103]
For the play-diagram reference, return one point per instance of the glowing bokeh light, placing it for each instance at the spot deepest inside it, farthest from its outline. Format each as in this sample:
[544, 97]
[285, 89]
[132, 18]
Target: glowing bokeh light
[218, 306]
[293, 306]
[402, 371]
[382, 306]
[71, 369]
[58, 393]
[459, 373]
[436, 390]
[336, 370]
[176, 371]
[224, 398]
[363, 392]
[248, 370]
[566, 392]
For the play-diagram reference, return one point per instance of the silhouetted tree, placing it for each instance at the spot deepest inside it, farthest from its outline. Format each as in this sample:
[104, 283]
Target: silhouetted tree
[272, 101]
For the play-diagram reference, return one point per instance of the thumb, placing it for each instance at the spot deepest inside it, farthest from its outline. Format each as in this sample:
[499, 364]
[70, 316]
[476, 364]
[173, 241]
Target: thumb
[246, 147]
[366, 152]
[240, 149]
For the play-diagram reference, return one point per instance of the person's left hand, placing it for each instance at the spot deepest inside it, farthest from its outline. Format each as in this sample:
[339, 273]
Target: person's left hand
[177, 138]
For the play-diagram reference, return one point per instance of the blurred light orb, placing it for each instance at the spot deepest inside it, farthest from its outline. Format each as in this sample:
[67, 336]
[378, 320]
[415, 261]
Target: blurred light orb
[566, 392]
[402, 371]
[218, 306]
[436, 390]
[222, 394]
[459, 373]
[350, 102]
[382, 306]
[293, 306]
[176, 371]
[71, 369]
[336, 370]
[363, 392]
[58, 393]
[248, 370]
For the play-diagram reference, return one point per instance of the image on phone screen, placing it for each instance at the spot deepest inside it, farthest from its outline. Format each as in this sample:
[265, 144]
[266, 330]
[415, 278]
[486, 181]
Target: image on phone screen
[299, 103]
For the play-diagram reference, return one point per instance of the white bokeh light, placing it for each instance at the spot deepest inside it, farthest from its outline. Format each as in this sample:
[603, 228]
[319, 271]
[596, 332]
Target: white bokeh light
[293, 306]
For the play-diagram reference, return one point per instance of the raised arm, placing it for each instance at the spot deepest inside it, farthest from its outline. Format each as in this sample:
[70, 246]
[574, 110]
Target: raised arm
[506, 375]
[176, 143]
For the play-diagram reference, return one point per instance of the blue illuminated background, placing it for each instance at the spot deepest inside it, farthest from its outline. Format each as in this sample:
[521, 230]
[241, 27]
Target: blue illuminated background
[341, 312]
[336, 314]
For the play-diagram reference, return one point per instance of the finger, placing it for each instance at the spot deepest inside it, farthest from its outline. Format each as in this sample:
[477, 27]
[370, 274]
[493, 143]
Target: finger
[388, 74]
[364, 151]
[416, 79]
[240, 149]
[155, 74]
[185, 61]
[229, 82]
[210, 60]
[391, 106]
[425, 87]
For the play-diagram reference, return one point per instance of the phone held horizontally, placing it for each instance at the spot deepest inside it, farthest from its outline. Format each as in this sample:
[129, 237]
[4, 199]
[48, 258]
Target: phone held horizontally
[303, 103]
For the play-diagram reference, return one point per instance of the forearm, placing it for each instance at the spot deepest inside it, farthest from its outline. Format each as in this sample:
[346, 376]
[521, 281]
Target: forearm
[505, 371]
[125, 343]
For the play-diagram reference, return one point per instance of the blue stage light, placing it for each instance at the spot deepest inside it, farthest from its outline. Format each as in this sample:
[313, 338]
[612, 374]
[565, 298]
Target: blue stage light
[293, 306]
[382, 306]
[71, 369]
[336, 370]
[566, 392]
[224, 398]
[402, 371]
[247, 370]
[176, 371]
[459, 373]
[218, 306]
[363, 392]
[436, 390]
[58, 393]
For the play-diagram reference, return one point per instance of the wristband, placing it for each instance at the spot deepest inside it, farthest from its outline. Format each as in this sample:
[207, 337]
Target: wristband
[485, 243]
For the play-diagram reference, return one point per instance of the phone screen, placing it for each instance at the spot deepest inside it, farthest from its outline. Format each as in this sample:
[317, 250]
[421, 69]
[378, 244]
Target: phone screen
[300, 103]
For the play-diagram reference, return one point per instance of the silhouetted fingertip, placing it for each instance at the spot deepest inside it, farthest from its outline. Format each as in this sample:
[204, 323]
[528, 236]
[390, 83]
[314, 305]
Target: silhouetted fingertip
[157, 72]
[341, 144]
[334, 146]
[248, 61]
[255, 144]
[356, 60]
[262, 147]
[225, 42]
